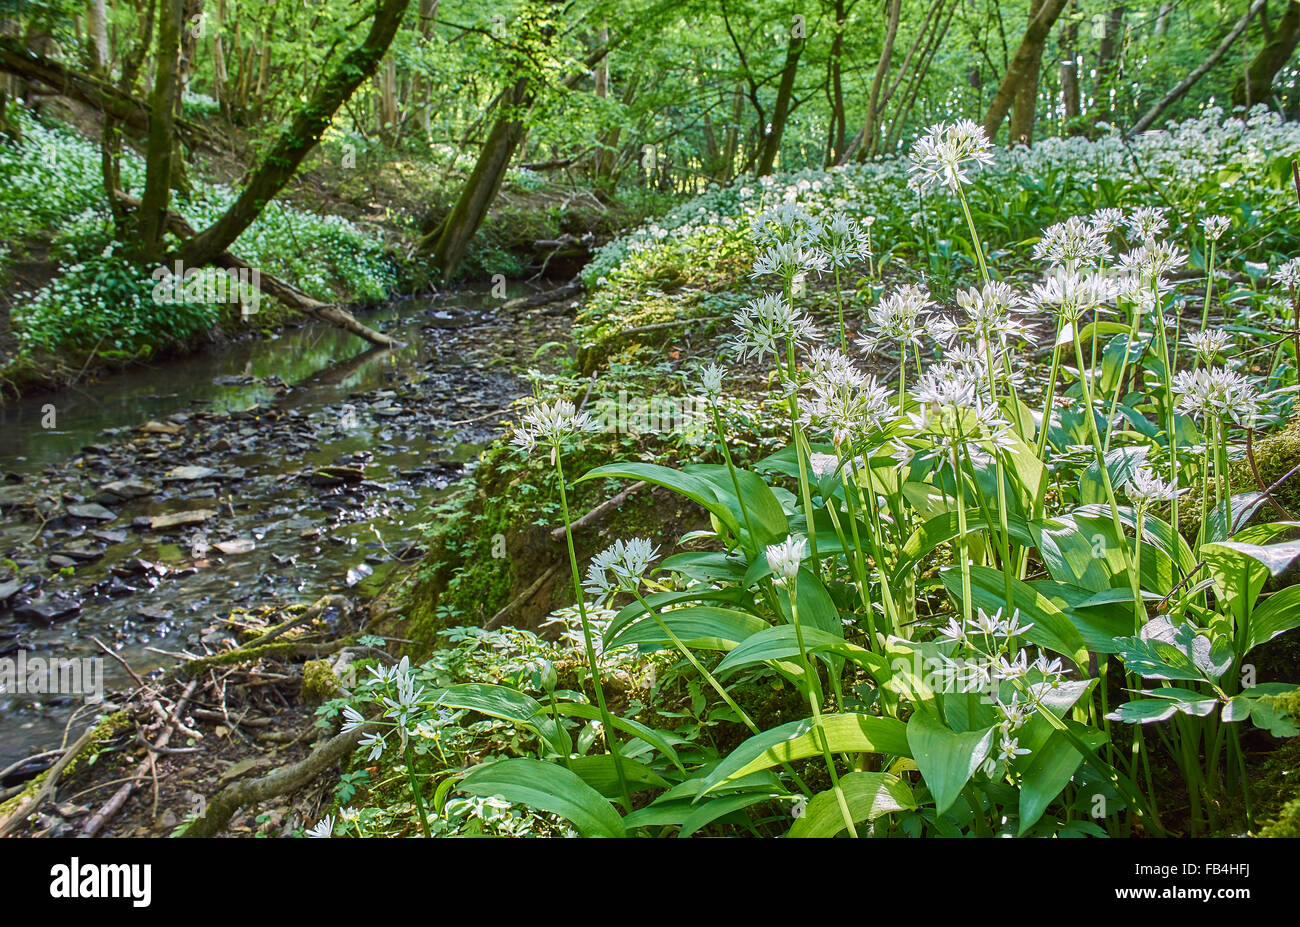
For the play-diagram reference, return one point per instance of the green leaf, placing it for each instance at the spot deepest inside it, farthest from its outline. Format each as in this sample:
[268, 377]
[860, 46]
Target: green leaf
[868, 795]
[509, 705]
[657, 739]
[780, 643]
[1276, 615]
[946, 759]
[599, 773]
[704, 627]
[1052, 628]
[695, 488]
[796, 740]
[547, 787]
[1049, 769]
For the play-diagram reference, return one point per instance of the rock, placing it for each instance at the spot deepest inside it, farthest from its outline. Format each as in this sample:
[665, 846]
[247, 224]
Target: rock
[335, 476]
[79, 554]
[110, 537]
[153, 614]
[188, 473]
[11, 496]
[176, 519]
[160, 428]
[7, 590]
[59, 562]
[237, 546]
[91, 511]
[358, 573]
[122, 490]
[47, 609]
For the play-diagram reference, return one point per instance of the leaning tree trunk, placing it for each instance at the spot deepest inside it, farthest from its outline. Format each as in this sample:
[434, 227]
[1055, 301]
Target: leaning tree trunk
[161, 150]
[299, 138]
[1070, 102]
[456, 231]
[1186, 83]
[781, 109]
[1020, 84]
[1256, 86]
[97, 41]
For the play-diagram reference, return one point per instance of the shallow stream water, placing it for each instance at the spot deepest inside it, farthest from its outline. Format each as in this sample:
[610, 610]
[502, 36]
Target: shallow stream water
[298, 466]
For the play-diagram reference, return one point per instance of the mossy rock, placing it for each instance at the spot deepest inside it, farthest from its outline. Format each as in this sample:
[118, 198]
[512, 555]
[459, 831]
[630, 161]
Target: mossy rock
[319, 684]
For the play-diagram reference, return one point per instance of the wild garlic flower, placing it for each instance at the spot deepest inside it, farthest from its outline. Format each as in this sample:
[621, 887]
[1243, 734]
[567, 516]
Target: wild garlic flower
[898, 318]
[788, 259]
[376, 742]
[1072, 244]
[1217, 391]
[787, 222]
[324, 827]
[983, 624]
[1072, 295]
[1009, 749]
[849, 406]
[1215, 226]
[353, 719]
[1208, 344]
[1145, 223]
[766, 324]
[946, 152]
[1145, 489]
[785, 558]
[550, 424]
[843, 242]
[1151, 260]
[989, 313]
[619, 567]
[1287, 275]
[1106, 220]
[711, 376]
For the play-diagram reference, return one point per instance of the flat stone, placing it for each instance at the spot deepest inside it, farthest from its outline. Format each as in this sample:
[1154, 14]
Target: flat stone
[237, 546]
[59, 561]
[92, 511]
[47, 609]
[8, 589]
[189, 473]
[153, 614]
[125, 489]
[160, 428]
[111, 537]
[176, 519]
[78, 553]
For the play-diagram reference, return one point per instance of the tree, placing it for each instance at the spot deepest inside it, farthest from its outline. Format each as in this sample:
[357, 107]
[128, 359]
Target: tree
[1019, 87]
[1256, 85]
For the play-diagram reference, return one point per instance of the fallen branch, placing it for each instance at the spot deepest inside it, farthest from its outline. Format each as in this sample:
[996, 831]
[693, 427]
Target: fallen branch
[114, 804]
[518, 600]
[541, 299]
[222, 807]
[313, 612]
[246, 654]
[273, 286]
[48, 784]
[600, 511]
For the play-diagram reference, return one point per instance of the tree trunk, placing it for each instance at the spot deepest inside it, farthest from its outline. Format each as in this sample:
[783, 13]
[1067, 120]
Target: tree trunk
[98, 38]
[1020, 84]
[1107, 63]
[152, 219]
[1070, 103]
[732, 139]
[1173, 95]
[864, 142]
[1256, 86]
[299, 138]
[835, 90]
[781, 109]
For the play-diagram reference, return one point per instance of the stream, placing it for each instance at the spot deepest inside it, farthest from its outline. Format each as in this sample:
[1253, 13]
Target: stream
[264, 472]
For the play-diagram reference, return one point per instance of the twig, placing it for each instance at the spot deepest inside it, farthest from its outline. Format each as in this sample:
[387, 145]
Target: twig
[118, 657]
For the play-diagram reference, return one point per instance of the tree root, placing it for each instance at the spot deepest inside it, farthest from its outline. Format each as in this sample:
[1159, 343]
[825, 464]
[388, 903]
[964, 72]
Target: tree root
[222, 807]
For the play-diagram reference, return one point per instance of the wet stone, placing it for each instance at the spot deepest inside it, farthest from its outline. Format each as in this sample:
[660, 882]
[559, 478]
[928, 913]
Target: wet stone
[91, 511]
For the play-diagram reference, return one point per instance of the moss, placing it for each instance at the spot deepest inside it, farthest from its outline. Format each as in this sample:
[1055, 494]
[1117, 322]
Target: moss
[107, 728]
[319, 684]
[1275, 456]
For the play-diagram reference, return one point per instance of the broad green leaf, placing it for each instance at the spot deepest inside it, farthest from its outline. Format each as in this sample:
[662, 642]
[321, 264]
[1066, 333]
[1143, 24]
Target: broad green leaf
[705, 627]
[660, 740]
[695, 488]
[780, 643]
[796, 740]
[946, 759]
[1276, 615]
[1046, 771]
[868, 795]
[547, 787]
[509, 705]
[598, 772]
